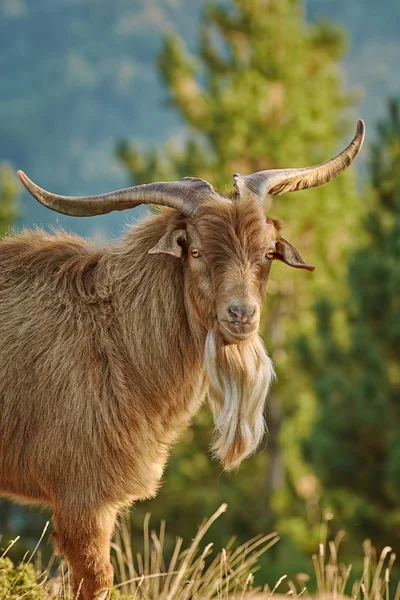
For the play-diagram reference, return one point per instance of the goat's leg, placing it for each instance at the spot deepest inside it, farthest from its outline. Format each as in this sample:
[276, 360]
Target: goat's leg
[84, 539]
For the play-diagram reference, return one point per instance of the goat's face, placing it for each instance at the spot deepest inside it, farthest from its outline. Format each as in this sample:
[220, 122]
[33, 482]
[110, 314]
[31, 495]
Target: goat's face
[228, 259]
[228, 247]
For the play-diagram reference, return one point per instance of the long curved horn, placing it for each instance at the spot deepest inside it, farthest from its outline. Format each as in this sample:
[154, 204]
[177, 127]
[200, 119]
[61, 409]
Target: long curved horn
[184, 195]
[280, 181]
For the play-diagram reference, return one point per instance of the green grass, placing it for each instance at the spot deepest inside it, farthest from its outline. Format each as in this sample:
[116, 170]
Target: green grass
[199, 573]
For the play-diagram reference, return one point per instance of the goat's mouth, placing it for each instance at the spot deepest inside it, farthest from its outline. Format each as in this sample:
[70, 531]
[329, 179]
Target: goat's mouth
[235, 333]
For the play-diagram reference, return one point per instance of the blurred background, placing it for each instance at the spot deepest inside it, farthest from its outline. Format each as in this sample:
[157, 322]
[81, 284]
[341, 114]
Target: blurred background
[98, 94]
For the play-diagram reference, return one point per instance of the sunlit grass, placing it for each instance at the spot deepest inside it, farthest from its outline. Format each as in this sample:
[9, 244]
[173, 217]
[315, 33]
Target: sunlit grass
[191, 574]
[198, 573]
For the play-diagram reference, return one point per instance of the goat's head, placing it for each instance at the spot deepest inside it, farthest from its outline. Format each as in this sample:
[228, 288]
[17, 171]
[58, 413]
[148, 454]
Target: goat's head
[227, 246]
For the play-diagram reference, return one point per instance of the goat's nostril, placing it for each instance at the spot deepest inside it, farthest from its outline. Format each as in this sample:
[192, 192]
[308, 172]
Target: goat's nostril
[241, 313]
[235, 311]
[248, 314]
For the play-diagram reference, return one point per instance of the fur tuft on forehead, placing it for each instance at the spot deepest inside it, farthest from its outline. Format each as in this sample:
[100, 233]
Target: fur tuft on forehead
[232, 228]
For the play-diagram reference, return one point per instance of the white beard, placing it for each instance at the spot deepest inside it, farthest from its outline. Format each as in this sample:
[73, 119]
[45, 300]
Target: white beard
[239, 379]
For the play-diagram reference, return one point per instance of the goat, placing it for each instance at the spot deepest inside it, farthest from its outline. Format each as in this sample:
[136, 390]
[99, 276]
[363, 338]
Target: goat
[107, 353]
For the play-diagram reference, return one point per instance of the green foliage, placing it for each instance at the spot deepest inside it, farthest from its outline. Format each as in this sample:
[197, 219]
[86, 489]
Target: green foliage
[19, 580]
[263, 91]
[354, 442]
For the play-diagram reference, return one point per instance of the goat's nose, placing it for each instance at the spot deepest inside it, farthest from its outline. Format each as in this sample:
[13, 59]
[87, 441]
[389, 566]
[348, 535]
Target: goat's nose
[241, 313]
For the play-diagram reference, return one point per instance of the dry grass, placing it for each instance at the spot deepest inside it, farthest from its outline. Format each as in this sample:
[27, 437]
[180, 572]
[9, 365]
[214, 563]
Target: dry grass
[191, 574]
[195, 573]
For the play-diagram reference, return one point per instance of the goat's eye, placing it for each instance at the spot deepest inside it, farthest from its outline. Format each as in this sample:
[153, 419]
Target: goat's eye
[270, 253]
[195, 253]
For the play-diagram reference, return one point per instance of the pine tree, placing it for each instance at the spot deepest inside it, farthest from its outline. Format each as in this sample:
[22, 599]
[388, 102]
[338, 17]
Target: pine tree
[263, 91]
[355, 439]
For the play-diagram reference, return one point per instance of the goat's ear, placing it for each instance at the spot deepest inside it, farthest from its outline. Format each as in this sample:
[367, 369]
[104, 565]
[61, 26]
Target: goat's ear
[290, 255]
[170, 243]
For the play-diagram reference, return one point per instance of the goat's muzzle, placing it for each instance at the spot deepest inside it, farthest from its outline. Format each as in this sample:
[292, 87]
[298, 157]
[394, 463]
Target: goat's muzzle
[238, 322]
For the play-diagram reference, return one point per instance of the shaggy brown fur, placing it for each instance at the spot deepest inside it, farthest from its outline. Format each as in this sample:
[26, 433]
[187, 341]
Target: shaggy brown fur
[103, 361]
